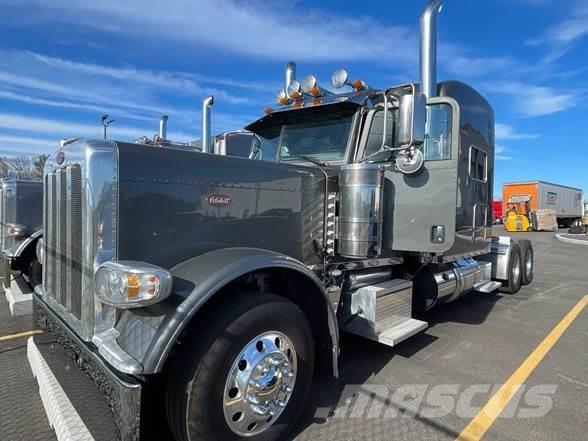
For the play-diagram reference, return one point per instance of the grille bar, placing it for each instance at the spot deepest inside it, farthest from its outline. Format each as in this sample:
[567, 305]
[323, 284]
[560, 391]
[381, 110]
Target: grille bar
[63, 238]
[75, 242]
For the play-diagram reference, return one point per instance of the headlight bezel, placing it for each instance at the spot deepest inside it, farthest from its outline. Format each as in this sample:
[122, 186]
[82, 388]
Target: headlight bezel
[114, 280]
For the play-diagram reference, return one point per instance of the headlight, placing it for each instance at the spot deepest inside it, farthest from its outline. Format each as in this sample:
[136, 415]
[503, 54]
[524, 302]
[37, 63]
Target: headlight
[40, 251]
[128, 284]
[15, 230]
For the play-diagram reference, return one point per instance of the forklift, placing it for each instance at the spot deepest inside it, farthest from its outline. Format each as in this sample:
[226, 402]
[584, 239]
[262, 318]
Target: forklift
[519, 216]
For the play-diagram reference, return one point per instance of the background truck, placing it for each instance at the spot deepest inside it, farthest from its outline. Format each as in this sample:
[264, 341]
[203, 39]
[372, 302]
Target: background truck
[21, 226]
[566, 201]
[497, 211]
[200, 292]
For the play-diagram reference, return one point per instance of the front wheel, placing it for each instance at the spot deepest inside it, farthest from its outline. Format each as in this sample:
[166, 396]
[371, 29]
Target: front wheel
[246, 376]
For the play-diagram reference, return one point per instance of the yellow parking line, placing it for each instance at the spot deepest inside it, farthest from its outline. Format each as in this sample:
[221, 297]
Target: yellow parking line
[476, 429]
[20, 334]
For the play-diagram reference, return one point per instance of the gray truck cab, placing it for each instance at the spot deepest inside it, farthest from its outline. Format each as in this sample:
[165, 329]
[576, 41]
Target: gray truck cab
[21, 226]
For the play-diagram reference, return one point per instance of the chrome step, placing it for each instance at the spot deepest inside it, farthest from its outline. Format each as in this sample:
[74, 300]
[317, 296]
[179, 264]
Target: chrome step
[381, 312]
[398, 333]
[488, 287]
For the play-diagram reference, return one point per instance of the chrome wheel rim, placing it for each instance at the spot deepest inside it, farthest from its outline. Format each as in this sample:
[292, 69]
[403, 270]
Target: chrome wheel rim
[516, 270]
[260, 383]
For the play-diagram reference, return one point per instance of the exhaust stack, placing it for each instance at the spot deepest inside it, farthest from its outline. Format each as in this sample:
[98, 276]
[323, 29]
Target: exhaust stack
[163, 127]
[206, 141]
[289, 74]
[428, 55]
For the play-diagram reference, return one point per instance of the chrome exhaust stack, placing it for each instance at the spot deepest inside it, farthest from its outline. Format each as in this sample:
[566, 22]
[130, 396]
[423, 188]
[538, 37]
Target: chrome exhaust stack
[428, 51]
[206, 126]
[163, 128]
[289, 74]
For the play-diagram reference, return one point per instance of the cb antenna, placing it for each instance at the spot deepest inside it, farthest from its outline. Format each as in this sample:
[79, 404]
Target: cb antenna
[105, 123]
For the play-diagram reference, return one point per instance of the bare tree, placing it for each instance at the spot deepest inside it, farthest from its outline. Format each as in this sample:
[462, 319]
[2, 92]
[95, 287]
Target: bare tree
[4, 167]
[20, 167]
[39, 165]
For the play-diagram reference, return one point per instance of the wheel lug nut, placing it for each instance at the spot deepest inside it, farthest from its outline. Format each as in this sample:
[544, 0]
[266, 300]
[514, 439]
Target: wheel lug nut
[281, 403]
[252, 399]
[260, 410]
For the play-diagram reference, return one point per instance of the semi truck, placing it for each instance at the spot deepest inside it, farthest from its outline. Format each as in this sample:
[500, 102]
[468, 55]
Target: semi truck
[202, 292]
[540, 195]
[21, 227]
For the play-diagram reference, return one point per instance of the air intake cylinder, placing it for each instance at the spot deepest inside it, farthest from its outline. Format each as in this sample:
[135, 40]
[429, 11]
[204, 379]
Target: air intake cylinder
[360, 211]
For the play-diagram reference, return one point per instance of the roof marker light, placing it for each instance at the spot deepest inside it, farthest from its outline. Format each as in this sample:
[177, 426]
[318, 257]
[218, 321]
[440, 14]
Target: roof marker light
[282, 97]
[340, 78]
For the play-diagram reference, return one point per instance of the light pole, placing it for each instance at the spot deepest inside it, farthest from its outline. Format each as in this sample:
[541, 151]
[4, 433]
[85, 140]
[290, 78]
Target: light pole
[106, 123]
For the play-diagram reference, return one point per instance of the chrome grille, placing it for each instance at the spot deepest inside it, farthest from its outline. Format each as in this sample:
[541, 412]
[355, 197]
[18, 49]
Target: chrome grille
[63, 238]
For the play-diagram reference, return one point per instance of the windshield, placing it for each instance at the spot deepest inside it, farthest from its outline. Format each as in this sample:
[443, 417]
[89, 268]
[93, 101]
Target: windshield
[320, 135]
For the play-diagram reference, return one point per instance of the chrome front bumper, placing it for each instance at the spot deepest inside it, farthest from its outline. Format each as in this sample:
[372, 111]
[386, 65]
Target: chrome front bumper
[123, 393]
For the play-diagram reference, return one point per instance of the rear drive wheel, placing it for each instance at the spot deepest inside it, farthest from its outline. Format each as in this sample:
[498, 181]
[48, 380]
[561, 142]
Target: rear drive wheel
[245, 376]
[515, 271]
[528, 264]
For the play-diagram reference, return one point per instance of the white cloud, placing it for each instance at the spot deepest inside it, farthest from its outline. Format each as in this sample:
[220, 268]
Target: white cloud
[506, 131]
[530, 101]
[67, 129]
[465, 63]
[108, 108]
[499, 153]
[126, 93]
[270, 29]
[176, 81]
[561, 37]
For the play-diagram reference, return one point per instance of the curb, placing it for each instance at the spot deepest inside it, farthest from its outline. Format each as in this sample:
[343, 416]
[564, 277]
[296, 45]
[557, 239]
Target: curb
[570, 240]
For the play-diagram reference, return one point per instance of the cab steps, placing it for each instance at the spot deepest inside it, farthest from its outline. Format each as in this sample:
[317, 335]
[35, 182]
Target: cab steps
[488, 286]
[381, 312]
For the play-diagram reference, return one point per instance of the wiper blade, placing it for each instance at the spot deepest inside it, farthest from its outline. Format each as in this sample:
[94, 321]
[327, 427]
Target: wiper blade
[309, 159]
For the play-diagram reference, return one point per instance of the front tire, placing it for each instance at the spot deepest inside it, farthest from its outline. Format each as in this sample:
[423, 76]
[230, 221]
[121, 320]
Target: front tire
[245, 375]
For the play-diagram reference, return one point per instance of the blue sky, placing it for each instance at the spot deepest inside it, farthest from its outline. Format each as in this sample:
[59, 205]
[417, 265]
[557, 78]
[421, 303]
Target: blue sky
[65, 62]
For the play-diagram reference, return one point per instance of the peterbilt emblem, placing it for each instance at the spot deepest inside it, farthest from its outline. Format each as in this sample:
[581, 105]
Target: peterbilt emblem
[60, 158]
[219, 200]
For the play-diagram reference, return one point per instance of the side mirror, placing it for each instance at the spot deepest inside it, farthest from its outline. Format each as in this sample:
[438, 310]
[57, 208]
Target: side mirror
[411, 119]
[256, 151]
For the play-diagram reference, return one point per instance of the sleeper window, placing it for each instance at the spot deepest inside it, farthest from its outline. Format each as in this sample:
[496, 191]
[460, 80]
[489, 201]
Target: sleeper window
[478, 164]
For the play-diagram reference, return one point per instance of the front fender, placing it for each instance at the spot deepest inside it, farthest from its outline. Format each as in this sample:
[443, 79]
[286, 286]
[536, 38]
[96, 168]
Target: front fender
[148, 334]
[20, 247]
